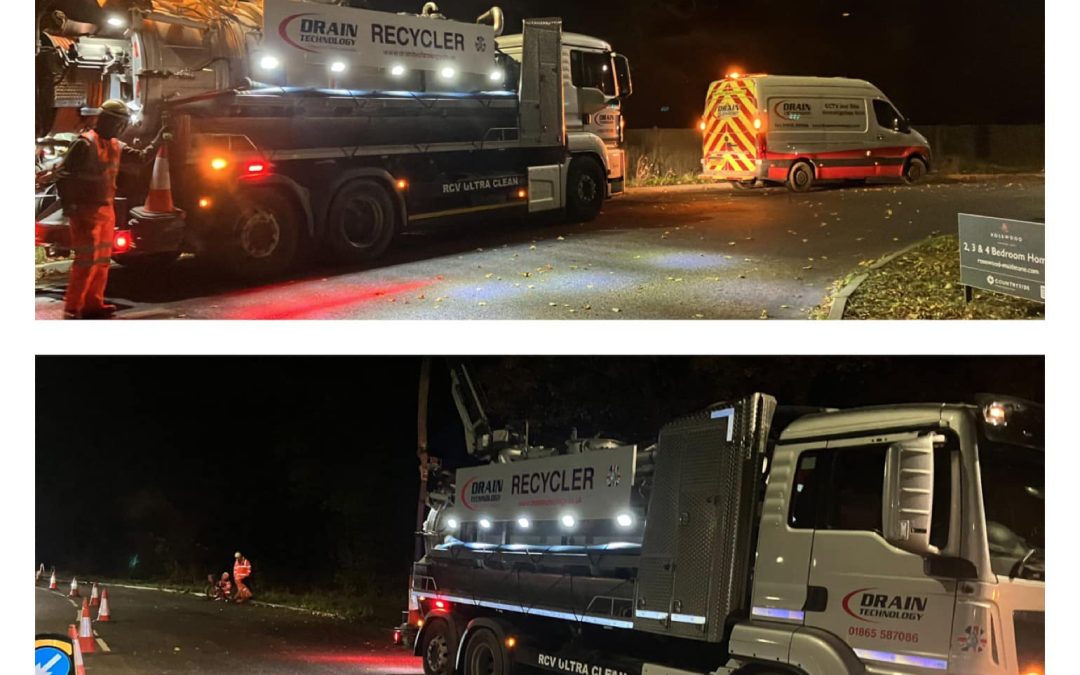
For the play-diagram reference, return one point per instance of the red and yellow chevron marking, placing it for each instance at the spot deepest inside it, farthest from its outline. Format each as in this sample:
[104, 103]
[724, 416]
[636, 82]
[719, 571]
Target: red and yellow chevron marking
[729, 145]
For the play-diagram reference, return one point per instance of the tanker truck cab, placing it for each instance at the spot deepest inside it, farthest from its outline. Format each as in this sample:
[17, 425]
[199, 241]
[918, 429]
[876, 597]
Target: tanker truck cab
[595, 83]
[912, 534]
[798, 131]
[749, 539]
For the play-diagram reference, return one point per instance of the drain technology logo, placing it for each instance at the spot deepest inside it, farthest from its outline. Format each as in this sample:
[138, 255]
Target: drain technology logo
[318, 32]
[871, 605]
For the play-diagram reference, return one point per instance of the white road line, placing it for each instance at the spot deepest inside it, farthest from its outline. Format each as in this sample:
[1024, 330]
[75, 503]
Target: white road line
[101, 643]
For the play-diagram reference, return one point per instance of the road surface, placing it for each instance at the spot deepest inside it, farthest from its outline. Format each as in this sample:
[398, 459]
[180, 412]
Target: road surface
[693, 252]
[166, 633]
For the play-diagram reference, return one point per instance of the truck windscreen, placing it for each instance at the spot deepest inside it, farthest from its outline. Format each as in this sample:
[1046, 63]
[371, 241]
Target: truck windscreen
[1014, 496]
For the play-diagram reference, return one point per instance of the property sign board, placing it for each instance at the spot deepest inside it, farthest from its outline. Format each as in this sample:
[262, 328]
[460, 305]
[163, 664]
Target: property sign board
[590, 485]
[818, 114]
[1003, 256]
[298, 31]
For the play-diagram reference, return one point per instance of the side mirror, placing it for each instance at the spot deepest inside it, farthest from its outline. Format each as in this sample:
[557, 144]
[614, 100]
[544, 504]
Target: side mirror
[591, 100]
[622, 76]
[908, 495]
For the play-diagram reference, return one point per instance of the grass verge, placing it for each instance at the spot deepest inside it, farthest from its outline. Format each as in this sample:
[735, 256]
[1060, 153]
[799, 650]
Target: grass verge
[924, 283]
[384, 609]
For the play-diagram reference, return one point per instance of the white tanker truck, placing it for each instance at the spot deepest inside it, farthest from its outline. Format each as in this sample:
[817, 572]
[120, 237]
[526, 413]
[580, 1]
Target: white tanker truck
[750, 539]
[315, 127]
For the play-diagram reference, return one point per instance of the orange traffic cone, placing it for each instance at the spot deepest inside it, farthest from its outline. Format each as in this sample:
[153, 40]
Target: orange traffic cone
[95, 599]
[74, 592]
[159, 199]
[52, 582]
[80, 667]
[86, 633]
[103, 610]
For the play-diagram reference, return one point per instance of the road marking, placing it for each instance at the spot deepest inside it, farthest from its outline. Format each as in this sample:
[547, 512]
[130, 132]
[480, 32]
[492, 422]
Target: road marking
[101, 643]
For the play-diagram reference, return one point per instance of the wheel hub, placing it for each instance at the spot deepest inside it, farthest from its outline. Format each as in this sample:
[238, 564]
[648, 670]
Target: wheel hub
[438, 654]
[587, 189]
[260, 234]
[363, 223]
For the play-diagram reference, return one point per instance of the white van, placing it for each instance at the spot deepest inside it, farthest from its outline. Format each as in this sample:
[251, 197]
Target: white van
[773, 129]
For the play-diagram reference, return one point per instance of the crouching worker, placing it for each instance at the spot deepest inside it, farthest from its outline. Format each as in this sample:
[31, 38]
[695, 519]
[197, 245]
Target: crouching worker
[224, 587]
[87, 192]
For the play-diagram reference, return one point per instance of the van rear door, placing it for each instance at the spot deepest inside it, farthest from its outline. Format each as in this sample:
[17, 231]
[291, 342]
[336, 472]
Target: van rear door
[730, 126]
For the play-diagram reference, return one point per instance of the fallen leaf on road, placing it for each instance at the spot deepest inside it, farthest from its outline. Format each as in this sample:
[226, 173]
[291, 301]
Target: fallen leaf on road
[488, 275]
[764, 314]
[616, 310]
[482, 303]
[560, 238]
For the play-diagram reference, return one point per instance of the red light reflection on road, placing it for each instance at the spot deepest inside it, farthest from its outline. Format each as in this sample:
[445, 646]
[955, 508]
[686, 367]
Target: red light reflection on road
[295, 302]
[387, 663]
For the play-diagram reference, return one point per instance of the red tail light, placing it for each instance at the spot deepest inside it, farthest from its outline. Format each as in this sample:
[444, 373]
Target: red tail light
[397, 637]
[255, 168]
[121, 241]
[441, 604]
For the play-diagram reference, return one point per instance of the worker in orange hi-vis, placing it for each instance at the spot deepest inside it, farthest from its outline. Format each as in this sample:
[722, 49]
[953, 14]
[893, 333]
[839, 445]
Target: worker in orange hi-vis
[241, 572]
[87, 191]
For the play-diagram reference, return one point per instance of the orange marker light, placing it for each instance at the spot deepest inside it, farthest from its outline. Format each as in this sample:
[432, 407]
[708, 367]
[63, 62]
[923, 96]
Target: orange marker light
[734, 75]
[218, 163]
[204, 203]
[419, 623]
[402, 184]
[702, 125]
[757, 123]
[522, 194]
[510, 642]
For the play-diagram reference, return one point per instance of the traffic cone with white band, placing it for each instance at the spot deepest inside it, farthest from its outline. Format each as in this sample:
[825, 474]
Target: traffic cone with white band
[80, 667]
[95, 599]
[103, 610]
[159, 198]
[52, 582]
[86, 632]
[74, 592]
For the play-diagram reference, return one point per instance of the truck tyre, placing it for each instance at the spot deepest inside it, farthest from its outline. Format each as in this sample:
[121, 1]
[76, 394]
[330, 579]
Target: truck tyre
[484, 655]
[146, 261]
[265, 236]
[801, 177]
[361, 223]
[584, 189]
[915, 170]
[435, 651]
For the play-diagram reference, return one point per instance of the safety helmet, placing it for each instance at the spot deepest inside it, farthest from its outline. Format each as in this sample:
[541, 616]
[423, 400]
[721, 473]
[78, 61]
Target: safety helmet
[224, 575]
[238, 555]
[117, 108]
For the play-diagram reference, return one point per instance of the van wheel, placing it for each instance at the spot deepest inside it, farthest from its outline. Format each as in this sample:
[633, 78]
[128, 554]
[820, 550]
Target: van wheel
[361, 223]
[585, 189]
[801, 177]
[265, 236]
[435, 650]
[484, 655]
[915, 170]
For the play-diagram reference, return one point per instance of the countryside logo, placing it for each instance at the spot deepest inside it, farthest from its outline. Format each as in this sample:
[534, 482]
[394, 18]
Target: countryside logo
[792, 110]
[299, 30]
[870, 605]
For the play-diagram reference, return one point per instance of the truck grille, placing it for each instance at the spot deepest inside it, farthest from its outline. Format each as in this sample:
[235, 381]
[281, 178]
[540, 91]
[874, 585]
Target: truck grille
[1030, 629]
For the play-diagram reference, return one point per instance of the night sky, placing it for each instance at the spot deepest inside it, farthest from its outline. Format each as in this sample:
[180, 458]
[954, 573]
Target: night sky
[308, 464]
[954, 62]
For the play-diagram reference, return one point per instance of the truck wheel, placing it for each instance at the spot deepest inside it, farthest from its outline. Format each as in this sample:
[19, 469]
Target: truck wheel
[146, 261]
[265, 236]
[801, 177]
[584, 189]
[361, 223]
[484, 655]
[436, 649]
[914, 171]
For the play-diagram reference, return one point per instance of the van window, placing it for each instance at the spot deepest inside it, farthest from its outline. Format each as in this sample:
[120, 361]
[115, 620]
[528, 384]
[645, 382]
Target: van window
[887, 115]
[592, 69]
[839, 489]
[842, 489]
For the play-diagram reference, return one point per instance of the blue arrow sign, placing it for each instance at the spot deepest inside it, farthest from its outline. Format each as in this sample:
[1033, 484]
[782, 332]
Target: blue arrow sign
[51, 661]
